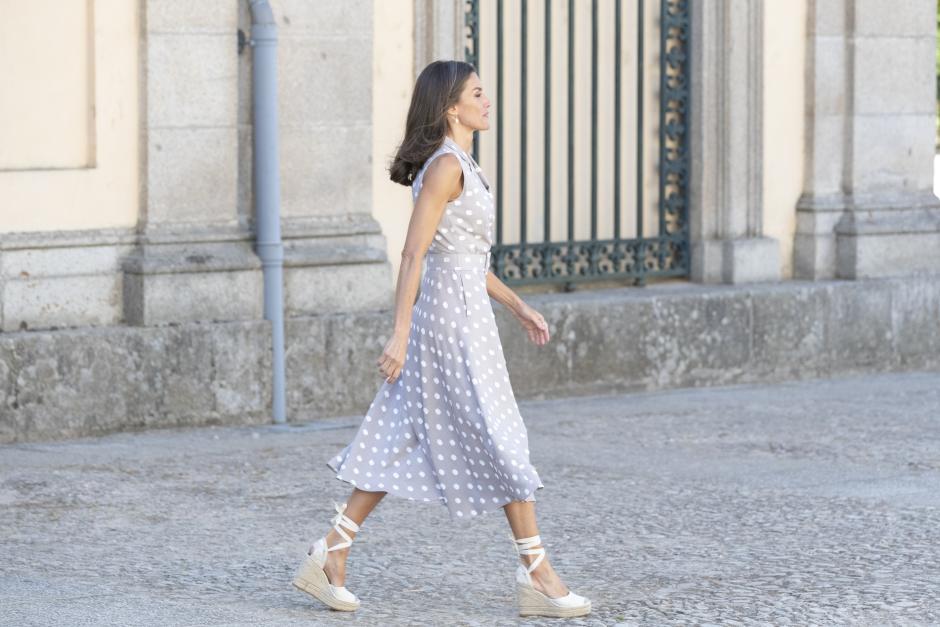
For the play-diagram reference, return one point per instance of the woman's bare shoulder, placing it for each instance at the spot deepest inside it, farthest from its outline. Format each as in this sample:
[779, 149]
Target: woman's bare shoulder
[443, 173]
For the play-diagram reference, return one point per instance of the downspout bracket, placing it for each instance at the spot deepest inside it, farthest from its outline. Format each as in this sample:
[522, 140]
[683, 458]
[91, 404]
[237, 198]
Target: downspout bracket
[244, 41]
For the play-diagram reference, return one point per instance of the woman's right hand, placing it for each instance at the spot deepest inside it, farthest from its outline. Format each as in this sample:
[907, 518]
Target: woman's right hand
[392, 359]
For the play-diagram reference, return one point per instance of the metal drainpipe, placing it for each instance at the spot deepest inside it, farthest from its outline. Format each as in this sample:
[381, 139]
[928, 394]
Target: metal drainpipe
[268, 244]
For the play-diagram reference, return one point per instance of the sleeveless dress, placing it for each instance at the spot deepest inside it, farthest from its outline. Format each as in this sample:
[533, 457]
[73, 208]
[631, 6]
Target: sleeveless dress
[448, 429]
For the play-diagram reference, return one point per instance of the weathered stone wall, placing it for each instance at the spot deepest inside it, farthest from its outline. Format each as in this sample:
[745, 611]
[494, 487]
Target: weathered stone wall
[75, 382]
[56, 384]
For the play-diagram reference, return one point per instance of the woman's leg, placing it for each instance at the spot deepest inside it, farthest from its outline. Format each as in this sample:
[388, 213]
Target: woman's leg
[521, 515]
[359, 505]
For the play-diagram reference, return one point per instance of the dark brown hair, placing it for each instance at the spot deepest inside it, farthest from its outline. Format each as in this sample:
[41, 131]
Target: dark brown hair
[438, 87]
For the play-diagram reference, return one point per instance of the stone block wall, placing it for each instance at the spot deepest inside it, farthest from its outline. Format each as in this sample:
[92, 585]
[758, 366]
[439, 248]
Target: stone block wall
[87, 382]
[190, 256]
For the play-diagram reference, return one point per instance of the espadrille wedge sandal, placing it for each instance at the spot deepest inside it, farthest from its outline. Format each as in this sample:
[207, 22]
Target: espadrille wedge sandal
[312, 579]
[531, 601]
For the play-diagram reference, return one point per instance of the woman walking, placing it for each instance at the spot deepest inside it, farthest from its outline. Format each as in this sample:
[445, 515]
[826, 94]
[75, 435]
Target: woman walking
[444, 425]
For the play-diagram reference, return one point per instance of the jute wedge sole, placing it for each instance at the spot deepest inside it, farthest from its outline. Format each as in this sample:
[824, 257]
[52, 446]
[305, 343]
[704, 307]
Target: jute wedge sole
[534, 603]
[311, 576]
[312, 580]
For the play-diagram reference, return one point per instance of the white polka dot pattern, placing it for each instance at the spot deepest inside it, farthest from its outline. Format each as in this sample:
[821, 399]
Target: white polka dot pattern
[449, 428]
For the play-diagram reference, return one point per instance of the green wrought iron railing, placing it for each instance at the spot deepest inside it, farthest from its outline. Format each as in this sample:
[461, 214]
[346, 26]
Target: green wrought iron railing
[570, 260]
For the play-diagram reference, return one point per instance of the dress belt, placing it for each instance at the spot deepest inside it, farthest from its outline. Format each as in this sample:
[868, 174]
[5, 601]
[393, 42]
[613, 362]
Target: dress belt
[458, 261]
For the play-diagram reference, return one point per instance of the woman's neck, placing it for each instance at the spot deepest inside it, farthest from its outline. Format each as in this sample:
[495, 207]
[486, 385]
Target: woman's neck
[465, 141]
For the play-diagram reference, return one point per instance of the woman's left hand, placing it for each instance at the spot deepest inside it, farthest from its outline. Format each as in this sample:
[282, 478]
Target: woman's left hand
[533, 322]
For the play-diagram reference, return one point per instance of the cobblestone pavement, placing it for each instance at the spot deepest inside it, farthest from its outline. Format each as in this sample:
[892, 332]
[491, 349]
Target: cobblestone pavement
[793, 504]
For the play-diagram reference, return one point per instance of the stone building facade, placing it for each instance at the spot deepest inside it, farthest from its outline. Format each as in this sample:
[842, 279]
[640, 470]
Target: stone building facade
[131, 293]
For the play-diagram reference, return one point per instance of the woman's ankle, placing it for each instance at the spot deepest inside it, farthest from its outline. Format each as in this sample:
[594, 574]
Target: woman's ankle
[333, 538]
[528, 560]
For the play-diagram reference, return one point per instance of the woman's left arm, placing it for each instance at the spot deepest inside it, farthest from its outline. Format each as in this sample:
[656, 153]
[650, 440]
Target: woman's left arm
[531, 320]
[499, 292]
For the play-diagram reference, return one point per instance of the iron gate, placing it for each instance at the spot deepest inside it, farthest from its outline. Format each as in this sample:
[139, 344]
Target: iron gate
[603, 250]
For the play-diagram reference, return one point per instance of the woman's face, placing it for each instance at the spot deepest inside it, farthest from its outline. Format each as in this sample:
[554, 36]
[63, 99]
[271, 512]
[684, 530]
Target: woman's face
[473, 107]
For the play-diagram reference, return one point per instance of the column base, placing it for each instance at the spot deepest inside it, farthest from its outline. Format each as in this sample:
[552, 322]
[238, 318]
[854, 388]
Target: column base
[884, 239]
[191, 274]
[814, 244]
[740, 260]
[335, 264]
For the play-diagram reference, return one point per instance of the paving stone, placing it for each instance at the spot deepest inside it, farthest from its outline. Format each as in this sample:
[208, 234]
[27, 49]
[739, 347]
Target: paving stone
[812, 502]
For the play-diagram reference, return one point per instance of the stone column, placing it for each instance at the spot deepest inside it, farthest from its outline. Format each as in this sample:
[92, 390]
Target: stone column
[827, 82]
[334, 250]
[439, 31]
[868, 207]
[193, 259]
[728, 244]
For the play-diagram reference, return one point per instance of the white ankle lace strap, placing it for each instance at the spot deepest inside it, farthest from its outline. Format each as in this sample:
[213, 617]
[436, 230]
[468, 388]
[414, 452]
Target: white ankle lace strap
[344, 520]
[525, 546]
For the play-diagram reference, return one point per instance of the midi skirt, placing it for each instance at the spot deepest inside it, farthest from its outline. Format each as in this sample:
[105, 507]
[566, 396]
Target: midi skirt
[448, 429]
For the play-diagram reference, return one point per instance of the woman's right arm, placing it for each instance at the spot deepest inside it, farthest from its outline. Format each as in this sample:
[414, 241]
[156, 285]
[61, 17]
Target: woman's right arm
[441, 182]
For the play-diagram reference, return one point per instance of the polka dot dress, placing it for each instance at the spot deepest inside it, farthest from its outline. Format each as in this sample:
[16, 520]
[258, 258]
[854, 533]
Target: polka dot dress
[448, 429]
